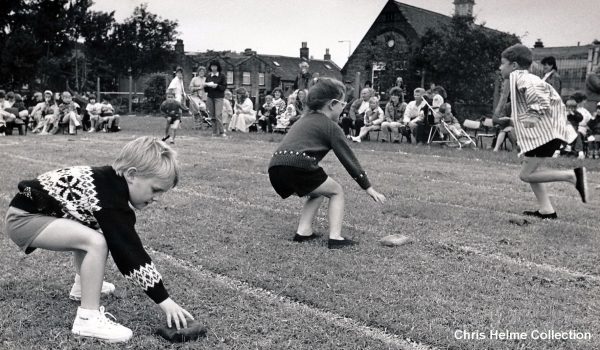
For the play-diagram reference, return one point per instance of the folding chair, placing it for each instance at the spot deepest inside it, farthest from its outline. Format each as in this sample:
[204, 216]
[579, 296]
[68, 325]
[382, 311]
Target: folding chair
[487, 124]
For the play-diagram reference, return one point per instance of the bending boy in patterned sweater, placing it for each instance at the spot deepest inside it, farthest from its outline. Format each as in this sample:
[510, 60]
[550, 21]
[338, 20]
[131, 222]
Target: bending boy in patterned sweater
[62, 210]
[540, 122]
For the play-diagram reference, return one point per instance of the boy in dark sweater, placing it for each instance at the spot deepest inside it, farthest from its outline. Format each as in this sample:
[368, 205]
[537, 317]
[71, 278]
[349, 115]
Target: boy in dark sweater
[63, 210]
[171, 108]
[294, 167]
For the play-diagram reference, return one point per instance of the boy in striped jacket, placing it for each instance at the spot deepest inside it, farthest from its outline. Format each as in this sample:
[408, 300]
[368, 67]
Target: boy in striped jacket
[540, 122]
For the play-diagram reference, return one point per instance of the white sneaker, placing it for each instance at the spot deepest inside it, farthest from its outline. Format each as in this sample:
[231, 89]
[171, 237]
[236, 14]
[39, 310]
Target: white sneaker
[92, 130]
[75, 293]
[95, 324]
[44, 133]
[356, 139]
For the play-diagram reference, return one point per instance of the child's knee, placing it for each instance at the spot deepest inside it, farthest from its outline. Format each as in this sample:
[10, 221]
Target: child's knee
[97, 243]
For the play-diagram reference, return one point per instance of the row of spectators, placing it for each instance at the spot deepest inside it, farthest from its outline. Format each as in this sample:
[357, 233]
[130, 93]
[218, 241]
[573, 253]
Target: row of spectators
[49, 112]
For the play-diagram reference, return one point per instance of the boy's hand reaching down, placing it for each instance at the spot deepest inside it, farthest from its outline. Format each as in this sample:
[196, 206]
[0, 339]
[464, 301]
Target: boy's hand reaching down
[377, 197]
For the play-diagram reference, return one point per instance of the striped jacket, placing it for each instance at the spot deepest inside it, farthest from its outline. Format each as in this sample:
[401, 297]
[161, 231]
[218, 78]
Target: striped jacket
[532, 97]
[98, 198]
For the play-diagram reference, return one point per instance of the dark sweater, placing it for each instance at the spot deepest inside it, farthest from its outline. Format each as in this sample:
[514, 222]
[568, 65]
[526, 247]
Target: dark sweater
[575, 119]
[171, 108]
[309, 141]
[219, 91]
[98, 198]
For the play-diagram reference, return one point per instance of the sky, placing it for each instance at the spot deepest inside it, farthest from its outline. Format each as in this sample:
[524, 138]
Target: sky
[278, 27]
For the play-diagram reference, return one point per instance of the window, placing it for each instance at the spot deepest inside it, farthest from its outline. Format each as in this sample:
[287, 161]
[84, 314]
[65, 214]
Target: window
[246, 78]
[328, 66]
[229, 77]
[261, 79]
[276, 63]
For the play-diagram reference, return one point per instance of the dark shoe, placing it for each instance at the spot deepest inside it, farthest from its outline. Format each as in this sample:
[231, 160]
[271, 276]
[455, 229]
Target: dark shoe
[166, 138]
[396, 141]
[338, 244]
[384, 140]
[300, 238]
[537, 214]
[581, 183]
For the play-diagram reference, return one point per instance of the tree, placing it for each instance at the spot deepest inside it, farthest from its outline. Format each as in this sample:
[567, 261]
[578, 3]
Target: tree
[463, 57]
[143, 43]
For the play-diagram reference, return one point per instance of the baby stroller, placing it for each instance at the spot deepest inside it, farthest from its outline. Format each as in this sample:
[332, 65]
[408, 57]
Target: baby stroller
[440, 128]
[200, 115]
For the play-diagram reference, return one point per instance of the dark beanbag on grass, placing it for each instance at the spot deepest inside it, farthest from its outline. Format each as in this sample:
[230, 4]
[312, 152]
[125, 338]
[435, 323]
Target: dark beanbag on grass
[193, 331]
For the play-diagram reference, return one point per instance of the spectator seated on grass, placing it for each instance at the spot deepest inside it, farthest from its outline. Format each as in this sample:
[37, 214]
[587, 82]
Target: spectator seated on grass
[93, 109]
[67, 114]
[394, 112]
[7, 117]
[108, 119]
[45, 112]
[414, 115]
[267, 115]
[594, 132]
[283, 120]
[374, 116]
[244, 115]
[574, 144]
[300, 105]
[15, 106]
[356, 117]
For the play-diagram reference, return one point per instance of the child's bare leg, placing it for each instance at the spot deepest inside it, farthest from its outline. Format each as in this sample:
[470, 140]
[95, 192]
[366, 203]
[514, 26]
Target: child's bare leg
[537, 179]
[501, 137]
[65, 235]
[174, 130]
[167, 129]
[309, 211]
[332, 190]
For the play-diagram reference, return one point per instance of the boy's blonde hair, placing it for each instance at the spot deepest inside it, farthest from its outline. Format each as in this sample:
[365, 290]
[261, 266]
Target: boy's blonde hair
[374, 99]
[66, 94]
[151, 158]
[171, 92]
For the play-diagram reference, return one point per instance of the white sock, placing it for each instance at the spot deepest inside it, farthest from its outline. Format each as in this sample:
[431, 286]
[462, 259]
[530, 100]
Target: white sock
[77, 279]
[87, 313]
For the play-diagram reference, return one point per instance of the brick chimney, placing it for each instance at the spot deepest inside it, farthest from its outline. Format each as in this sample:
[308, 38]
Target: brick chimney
[327, 56]
[304, 51]
[538, 44]
[179, 46]
[463, 8]
[249, 52]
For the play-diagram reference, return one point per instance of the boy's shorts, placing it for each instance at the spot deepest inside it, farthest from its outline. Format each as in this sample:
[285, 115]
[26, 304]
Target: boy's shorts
[287, 180]
[23, 227]
[174, 118]
[546, 150]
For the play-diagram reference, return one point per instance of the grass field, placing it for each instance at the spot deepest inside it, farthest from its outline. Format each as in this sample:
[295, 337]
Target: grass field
[222, 241]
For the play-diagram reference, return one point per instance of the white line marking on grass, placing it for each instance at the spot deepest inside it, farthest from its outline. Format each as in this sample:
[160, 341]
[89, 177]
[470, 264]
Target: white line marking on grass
[500, 257]
[295, 306]
[529, 264]
[33, 160]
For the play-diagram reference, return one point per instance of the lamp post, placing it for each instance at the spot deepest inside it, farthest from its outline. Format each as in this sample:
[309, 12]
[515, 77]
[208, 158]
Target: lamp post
[349, 46]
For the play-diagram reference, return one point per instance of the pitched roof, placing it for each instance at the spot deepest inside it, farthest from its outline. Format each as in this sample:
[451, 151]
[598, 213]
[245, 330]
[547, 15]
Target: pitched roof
[286, 68]
[562, 52]
[421, 20]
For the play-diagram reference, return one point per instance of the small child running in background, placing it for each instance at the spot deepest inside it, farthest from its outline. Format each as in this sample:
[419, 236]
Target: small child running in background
[540, 120]
[42, 216]
[294, 167]
[171, 108]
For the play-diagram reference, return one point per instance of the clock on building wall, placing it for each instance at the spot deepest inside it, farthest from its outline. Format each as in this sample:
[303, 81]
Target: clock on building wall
[393, 40]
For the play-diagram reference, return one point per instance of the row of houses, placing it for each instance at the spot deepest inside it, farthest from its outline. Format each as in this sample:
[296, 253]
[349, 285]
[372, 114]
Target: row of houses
[400, 26]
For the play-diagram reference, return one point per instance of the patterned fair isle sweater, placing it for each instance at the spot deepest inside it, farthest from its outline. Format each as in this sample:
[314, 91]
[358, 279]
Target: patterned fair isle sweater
[98, 198]
[309, 141]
